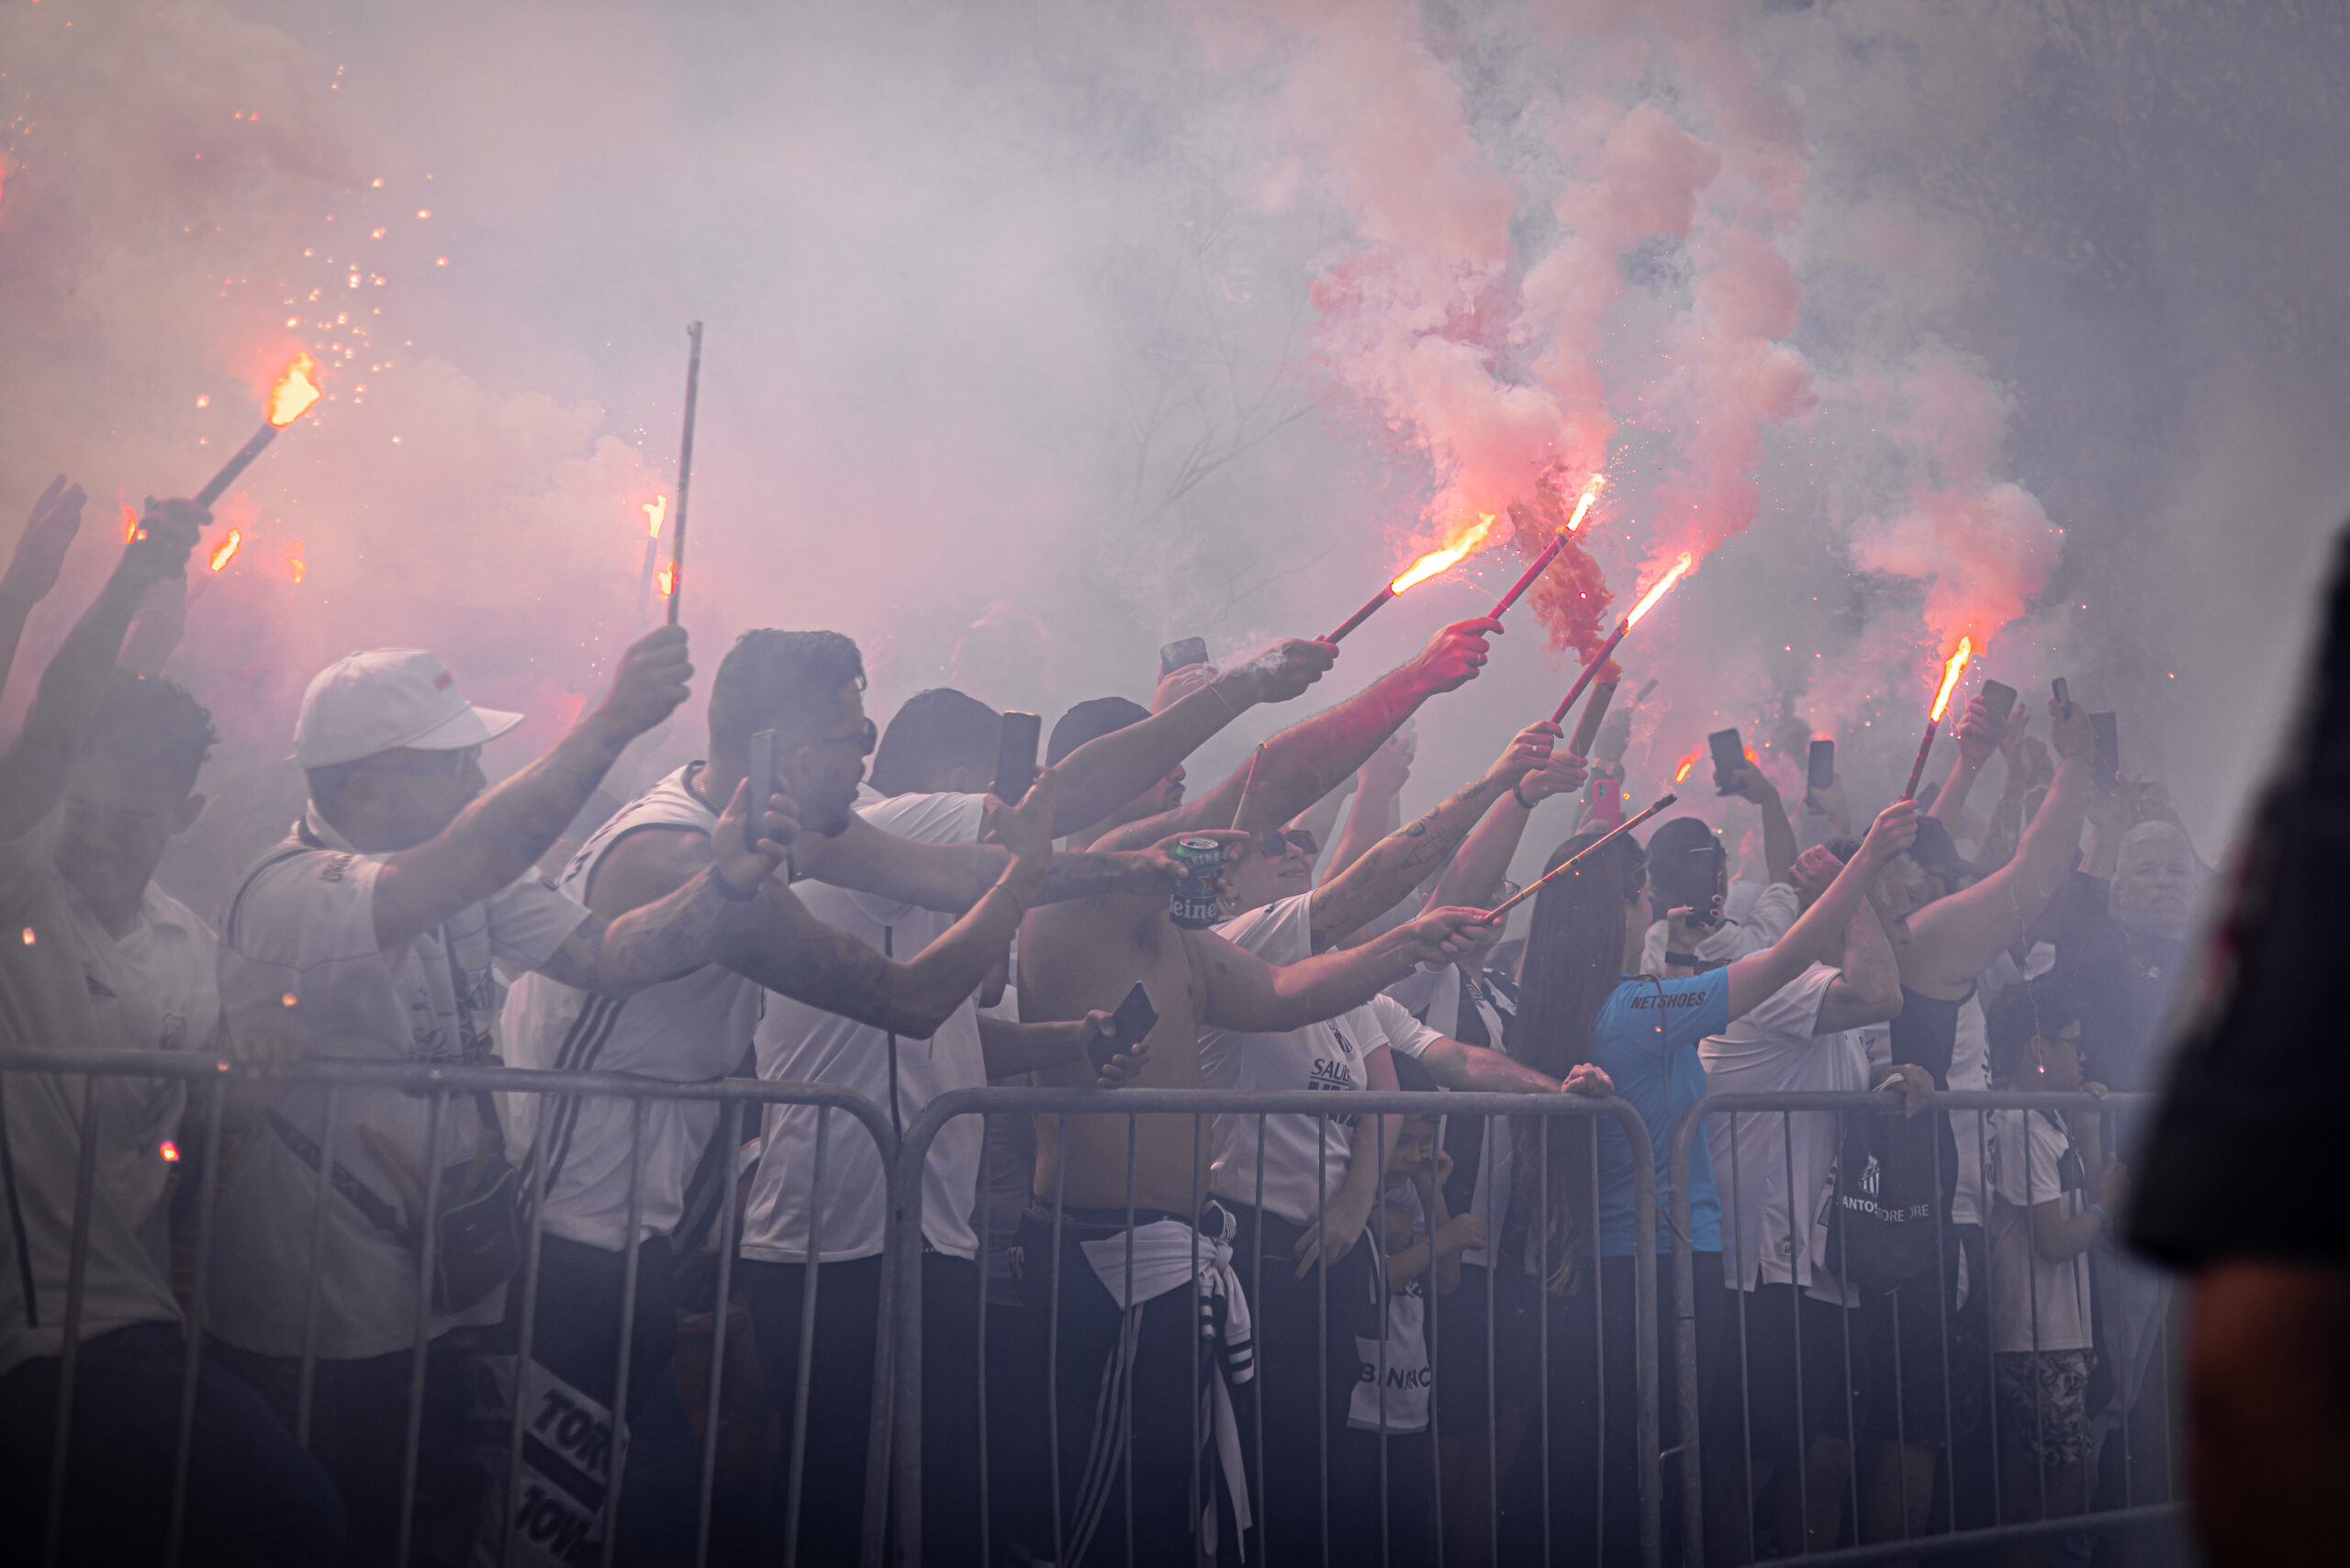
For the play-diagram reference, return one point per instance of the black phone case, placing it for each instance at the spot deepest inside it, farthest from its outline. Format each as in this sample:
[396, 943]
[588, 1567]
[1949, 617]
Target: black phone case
[1183, 654]
[1015, 756]
[1998, 703]
[1728, 752]
[1132, 1023]
[2108, 760]
[762, 778]
[1819, 767]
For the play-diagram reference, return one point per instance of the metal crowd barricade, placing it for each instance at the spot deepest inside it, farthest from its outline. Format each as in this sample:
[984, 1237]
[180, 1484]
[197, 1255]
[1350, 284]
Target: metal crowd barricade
[439, 1083]
[1969, 1112]
[906, 1374]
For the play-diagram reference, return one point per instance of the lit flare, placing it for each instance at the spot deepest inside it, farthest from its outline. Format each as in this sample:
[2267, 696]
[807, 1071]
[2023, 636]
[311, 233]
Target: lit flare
[1949, 677]
[295, 392]
[226, 549]
[1582, 506]
[1663, 586]
[1681, 771]
[655, 511]
[1436, 561]
[295, 566]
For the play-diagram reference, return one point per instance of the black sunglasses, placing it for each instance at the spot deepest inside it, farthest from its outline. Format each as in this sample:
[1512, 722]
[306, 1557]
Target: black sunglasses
[1273, 846]
[867, 738]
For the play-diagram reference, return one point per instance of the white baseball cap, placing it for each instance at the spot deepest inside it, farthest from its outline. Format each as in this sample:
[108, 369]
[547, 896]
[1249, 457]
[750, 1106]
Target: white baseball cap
[388, 700]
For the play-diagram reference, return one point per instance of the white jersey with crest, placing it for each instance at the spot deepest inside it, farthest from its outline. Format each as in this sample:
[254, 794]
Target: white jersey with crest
[694, 1027]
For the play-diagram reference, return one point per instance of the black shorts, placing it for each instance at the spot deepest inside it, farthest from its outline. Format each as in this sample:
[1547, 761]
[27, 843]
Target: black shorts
[1929, 1354]
[1458, 1344]
[1781, 1412]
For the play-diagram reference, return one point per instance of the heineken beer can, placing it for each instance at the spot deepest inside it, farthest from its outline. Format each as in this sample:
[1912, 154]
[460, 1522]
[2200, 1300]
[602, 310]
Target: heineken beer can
[1193, 904]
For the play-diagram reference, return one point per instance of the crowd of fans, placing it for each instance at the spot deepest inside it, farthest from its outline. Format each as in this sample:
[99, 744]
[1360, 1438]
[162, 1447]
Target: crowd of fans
[1272, 1337]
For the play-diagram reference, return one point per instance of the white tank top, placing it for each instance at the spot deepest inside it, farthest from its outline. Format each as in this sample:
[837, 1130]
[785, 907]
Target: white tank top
[696, 1027]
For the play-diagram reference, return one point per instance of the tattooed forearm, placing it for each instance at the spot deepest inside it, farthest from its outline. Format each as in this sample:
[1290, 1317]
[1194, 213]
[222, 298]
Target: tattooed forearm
[659, 941]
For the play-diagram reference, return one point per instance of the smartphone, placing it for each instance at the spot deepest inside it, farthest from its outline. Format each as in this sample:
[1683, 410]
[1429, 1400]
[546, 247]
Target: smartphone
[1130, 1025]
[1998, 703]
[762, 782]
[1182, 654]
[2064, 695]
[2105, 767]
[1819, 767]
[1730, 755]
[1015, 756]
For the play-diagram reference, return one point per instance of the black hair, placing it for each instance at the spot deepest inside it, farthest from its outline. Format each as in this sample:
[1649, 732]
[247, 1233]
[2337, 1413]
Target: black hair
[1685, 863]
[1574, 958]
[1090, 721]
[783, 681]
[932, 733]
[1410, 1074]
[147, 721]
[2040, 1008]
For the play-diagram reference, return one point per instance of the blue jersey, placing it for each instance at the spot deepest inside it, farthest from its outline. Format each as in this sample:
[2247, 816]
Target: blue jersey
[1645, 1037]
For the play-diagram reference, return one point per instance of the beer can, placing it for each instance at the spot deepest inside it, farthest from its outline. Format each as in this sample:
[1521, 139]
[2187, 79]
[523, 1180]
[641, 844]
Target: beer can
[1193, 905]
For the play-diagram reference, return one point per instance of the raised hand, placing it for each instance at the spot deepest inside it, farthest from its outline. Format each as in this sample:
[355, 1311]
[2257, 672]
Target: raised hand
[1528, 750]
[1388, 769]
[650, 683]
[732, 860]
[1590, 1081]
[2072, 734]
[1455, 654]
[1562, 774]
[160, 544]
[1813, 870]
[40, 549]
[1026, 829]
[1282, 672]
[1749, 782]
[1443, 935]
[1894, 830]
[1157, 869]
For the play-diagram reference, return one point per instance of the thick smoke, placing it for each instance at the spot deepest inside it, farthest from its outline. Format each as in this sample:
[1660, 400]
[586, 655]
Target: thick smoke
[1037, 340]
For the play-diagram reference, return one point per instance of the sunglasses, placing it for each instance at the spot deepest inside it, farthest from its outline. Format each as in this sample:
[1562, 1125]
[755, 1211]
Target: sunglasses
[1273, 846]
[865, 738]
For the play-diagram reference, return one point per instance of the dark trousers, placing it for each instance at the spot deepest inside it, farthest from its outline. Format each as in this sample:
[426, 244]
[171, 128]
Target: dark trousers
[253, 1496]
[576, 1334]
[832, 1461]
[1306, 1370]
[359, 1432]
[1593, 1411]
[1134, 1437]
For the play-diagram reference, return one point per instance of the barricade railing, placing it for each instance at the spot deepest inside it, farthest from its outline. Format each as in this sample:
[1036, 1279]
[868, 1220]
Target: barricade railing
[2128, 1304]
[212, 1081]
[1115, 1467]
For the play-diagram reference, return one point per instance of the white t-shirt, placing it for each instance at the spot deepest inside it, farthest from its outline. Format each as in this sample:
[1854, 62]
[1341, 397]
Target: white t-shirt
[2033, 1168]
[695, 1027]
[1765, 920]
[1330, 1055]
[804, 1044]
[1772, 1049]
[73, 987]
[303, 924]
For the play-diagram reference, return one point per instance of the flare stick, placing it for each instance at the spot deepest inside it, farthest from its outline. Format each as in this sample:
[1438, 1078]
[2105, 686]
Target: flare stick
[685, 473]
[1593, 713]
[1526, 580]
[1909, 790]
[236, 465]
[1610, 836]
[288, 401]
[1359, 616]
[1590, 669]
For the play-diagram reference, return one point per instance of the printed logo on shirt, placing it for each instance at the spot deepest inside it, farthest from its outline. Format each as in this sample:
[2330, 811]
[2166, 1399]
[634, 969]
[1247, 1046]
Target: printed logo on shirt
[1667, 998]
[337, 866]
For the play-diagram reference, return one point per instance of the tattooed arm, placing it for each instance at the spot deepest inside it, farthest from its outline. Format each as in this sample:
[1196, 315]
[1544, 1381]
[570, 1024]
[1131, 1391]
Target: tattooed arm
[1402, 860]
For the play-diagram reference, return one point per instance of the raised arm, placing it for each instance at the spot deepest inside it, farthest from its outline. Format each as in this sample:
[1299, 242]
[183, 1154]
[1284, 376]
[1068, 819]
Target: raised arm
[33, 568]
[1475, 874]
[1953, 938]
[951, 878]
[33, 769]
[1869, 991]
[1302, 763]
[1109, 770]
[1379, 793]
[503, 833]
[1976, 743]
[1247, 993]
[1398, 863]
[1756, 976]
[1751, 783]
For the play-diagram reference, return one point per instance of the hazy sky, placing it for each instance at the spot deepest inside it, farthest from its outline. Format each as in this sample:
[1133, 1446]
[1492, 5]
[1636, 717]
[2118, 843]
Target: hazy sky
[1110, 323]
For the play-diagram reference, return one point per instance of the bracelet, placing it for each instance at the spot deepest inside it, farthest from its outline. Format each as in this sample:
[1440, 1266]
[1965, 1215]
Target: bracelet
[1517, 795]
[729, 891]
[1216, 685]
[2103, 1218]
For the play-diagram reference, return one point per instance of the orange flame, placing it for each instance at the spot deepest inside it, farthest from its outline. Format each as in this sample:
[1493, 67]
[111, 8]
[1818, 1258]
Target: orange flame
[169, 1150]
[227, 551]
[1949, 677]
[655, 511]
[295, 392]
[1682, 772]
[1436, 561]
[1590, 494]
[666, 577]
[1648, 600]
[293, 565]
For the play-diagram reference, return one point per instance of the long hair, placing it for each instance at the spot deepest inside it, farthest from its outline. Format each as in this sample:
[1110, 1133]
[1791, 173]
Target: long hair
[1574, 955]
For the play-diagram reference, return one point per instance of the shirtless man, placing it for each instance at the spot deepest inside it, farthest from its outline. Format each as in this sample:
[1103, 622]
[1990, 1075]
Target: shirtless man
[1085, 955]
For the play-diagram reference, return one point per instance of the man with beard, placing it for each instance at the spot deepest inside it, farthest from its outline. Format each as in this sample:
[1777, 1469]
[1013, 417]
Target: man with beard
[1118, 1236]
[369, 936]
